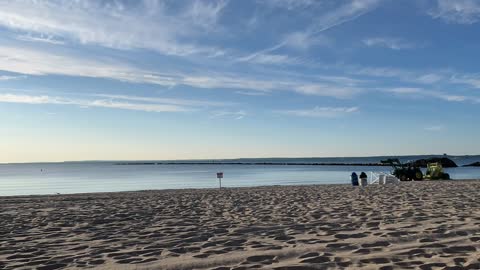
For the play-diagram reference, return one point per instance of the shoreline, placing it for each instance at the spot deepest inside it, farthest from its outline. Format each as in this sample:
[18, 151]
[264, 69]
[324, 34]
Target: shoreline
[210, 188]
[416, 225]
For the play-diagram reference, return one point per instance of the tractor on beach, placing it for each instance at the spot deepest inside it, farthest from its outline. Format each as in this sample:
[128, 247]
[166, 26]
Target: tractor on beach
[403, 171]
[435, 172]
[411, 172]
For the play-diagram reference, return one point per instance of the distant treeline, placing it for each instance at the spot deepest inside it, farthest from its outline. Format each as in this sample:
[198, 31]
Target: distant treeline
[252, 163]
[445, 162]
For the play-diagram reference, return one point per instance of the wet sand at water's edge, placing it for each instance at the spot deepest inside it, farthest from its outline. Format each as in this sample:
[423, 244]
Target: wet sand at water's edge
[415, 225]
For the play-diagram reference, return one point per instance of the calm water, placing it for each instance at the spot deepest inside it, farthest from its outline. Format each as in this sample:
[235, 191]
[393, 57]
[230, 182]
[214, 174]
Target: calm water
[26, 179]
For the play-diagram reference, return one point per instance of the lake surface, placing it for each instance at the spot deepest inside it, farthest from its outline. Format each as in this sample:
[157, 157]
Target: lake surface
[51, 178]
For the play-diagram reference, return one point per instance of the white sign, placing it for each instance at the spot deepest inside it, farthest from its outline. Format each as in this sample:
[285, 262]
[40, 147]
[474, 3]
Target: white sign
[220, 176]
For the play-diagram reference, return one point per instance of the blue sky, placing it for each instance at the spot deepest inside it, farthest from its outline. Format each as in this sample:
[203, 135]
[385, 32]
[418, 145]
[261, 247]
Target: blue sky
[90, 80]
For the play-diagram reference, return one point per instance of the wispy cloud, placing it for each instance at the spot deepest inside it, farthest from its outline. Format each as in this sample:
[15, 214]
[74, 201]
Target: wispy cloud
[27, 61]
[389, 72]
[147, 107]
[304, 40]
[173, 101]
[457, 11]
[35, 62]
[435, 128]
[266, 58]
[229, 114]
[322, 112]
[441, 77]
[317, 86]
[468, 79]
[40, 38]
[328, 90]
[15, 98]
[406, 90]
[390, 43]
[343, 80]
[419, 92]
[430, 78]
[452, 98]
[10, 77]
[289, 4]
[330, 18]
[342, 14]
[133, 25]
[205, 13]
[147, 104]
[427, 77]
[251, 93]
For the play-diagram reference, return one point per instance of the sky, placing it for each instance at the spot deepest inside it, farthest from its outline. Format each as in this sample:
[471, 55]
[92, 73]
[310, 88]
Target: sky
[194, 79]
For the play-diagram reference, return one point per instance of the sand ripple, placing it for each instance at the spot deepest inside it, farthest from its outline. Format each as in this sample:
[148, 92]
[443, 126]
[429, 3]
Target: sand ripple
[422, 225]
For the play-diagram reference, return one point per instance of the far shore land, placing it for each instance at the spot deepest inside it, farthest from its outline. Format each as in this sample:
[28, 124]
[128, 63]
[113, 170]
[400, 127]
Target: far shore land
[413, 225]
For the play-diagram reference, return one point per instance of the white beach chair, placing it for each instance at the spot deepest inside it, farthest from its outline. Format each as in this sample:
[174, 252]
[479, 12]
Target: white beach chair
[391, 179]
[383, 178]
[363, 182]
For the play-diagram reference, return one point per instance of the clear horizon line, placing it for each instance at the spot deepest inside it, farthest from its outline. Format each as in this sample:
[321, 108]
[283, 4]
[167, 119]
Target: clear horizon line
[216, 159]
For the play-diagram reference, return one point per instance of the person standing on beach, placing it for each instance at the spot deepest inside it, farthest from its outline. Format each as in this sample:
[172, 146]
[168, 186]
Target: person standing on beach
[354, 178]
[363, 179]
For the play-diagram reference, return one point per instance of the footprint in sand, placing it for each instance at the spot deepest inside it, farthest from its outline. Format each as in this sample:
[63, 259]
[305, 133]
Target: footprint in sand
[475, 239]
[434, 245]
[264, 259]
[431, 266]
[308, 255]
[427, 240]
[130, 260]
[460, 260]
[375, 260]
[342, 262]
[459, 249]
[409, 264]
[377, 244]
[342, 246]
[295, 267]
[347, 236]
[317, 259]
[362, 251]
[51, 266]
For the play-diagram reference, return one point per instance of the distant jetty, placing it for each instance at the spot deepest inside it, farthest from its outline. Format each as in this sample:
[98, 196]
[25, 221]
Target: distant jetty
[445, 162]
[475, 164]
[253, 163]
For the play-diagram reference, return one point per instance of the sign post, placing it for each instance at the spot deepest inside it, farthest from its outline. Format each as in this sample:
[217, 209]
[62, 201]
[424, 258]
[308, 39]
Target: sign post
[220, 176]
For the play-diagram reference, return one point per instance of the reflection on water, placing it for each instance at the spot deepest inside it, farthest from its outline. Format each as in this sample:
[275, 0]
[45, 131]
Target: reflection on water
[25, 179]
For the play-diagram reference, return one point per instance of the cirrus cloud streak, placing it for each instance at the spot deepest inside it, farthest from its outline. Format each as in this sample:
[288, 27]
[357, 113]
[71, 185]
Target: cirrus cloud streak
[321, 112]
[135, 103]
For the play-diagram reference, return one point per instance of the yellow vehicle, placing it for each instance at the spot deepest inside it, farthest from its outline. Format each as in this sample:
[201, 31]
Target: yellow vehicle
[435, 172]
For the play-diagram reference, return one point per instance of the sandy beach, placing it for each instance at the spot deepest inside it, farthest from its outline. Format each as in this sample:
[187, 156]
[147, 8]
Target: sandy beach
[415, 225]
